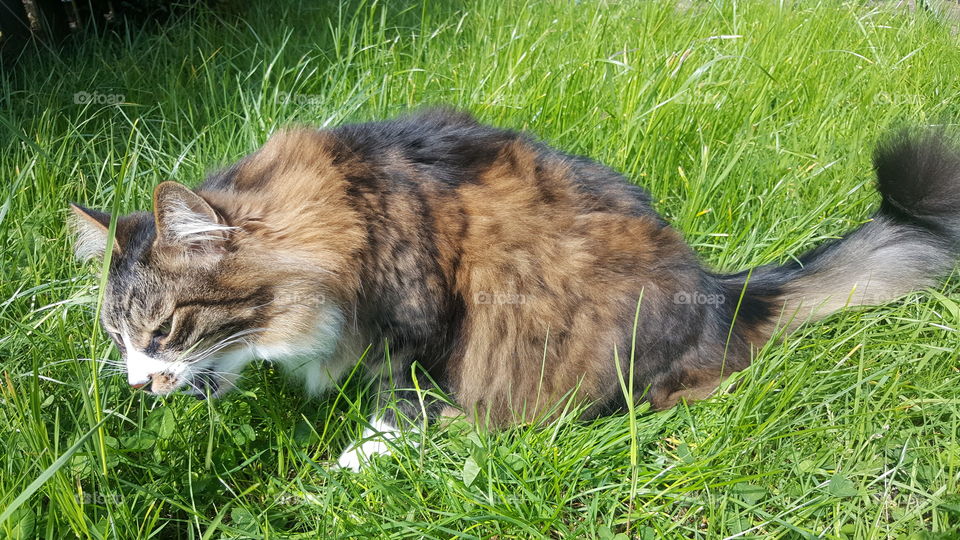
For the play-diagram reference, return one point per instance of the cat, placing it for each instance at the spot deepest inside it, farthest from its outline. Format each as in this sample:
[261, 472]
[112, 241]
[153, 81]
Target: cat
[478, 262]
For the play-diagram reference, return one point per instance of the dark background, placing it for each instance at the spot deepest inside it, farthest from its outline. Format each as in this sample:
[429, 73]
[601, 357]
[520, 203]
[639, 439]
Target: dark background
[29, 24]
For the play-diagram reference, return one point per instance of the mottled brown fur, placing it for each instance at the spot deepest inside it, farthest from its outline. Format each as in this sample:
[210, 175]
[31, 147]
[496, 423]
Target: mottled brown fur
[505, 272]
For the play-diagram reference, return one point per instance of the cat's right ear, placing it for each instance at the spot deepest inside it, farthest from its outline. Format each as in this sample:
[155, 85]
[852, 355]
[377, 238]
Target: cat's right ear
[91, 229]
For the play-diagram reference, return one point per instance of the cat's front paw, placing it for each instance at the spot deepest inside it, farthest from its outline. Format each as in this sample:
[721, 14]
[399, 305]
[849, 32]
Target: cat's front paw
[359, 455]
[374, 443]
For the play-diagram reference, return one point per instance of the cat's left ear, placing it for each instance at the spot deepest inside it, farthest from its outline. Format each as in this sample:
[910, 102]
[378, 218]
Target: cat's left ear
[187, 223]
[91, 230]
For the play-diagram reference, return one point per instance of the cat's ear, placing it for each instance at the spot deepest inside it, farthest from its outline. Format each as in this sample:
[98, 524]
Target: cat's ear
[91, 229]
[186, 222]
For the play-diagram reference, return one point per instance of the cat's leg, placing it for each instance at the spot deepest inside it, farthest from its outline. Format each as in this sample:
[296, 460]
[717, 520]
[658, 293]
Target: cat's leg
[406, 400]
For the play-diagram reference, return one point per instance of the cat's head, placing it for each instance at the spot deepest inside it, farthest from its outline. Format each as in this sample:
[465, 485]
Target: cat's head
[191, 298]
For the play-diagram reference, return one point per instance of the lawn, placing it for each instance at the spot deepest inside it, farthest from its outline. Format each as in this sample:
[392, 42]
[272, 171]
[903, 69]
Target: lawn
[752, 123]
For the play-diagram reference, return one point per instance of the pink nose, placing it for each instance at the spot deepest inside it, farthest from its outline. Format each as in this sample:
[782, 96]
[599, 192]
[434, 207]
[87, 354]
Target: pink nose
[140, 385]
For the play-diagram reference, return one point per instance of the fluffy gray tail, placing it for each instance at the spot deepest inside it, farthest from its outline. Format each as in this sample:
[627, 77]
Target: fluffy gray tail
[911, 242]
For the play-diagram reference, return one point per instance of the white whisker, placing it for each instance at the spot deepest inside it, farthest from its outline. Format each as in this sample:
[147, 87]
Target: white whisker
[236, 337]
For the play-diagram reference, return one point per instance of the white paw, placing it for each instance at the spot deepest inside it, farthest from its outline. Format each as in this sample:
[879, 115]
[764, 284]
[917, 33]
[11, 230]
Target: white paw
[358, 455]
[374, 443]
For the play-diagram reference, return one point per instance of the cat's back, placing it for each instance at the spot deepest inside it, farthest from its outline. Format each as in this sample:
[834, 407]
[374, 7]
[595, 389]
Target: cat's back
[444, 149]
[435, 153]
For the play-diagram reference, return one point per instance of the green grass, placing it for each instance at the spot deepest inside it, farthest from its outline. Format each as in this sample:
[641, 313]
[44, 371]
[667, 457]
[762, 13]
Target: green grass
[752, 124]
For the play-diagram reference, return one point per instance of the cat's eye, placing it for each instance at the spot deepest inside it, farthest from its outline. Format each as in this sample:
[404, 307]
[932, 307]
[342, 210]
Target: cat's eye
[163, 330]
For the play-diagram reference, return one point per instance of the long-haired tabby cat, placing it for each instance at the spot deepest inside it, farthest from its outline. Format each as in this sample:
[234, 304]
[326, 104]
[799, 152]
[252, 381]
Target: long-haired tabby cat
[503, 271]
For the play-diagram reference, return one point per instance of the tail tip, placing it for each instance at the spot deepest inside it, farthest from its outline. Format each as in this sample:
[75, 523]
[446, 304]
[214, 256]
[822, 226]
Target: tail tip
[918, 176]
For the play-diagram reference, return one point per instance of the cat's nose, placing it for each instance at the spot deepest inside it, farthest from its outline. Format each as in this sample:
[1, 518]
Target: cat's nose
[141, 383]
[141, 368]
